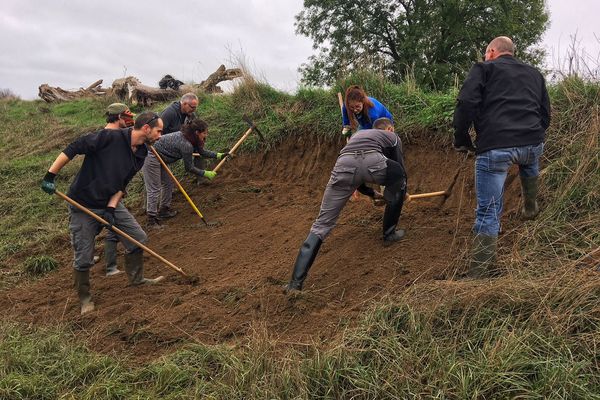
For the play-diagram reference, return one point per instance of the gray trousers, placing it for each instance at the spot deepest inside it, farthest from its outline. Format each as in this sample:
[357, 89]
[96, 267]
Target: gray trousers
[84, 230]
[159, 185]
[350, 171]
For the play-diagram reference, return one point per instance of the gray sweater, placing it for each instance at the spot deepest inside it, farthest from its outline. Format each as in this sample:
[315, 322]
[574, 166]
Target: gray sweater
[175, 146]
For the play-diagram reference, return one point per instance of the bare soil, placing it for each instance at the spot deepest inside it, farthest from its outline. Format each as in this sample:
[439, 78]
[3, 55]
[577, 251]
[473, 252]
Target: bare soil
[266, 204]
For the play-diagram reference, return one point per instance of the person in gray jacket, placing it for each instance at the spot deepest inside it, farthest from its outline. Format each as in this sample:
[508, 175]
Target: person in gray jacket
[173, 147]
[370, 156]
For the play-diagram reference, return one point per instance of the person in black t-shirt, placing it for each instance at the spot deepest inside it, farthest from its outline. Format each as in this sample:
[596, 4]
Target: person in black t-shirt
[112, 158]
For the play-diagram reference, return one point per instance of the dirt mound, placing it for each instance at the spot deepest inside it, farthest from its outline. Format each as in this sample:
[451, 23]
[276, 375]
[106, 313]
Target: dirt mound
[266, 203]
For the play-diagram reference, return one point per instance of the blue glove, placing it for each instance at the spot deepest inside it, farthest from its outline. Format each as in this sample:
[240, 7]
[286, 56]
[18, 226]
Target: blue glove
[48, 185]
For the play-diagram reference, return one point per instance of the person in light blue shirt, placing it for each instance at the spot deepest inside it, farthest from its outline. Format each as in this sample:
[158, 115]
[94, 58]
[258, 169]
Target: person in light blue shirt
[364, 110]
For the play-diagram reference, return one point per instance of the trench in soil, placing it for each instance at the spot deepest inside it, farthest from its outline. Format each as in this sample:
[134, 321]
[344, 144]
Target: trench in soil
[266, 203]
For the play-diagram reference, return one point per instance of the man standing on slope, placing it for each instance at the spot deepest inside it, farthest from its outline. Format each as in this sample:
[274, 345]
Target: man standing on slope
[370, 156]
[507, 101]
[118, 116]
[112, 158]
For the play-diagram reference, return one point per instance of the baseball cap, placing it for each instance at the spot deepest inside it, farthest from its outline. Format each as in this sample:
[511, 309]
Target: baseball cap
[119, 108]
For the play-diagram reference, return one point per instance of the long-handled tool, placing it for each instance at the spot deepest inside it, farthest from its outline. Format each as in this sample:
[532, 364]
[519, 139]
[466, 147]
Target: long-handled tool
[446, 193]
[239, 142]
[181, 189]
[120, 232]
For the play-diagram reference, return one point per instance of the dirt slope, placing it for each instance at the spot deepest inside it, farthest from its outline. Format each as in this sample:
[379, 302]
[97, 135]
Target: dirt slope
[266, 204]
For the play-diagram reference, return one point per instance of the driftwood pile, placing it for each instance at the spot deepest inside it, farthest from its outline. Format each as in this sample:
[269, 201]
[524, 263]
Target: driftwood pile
[132, 91]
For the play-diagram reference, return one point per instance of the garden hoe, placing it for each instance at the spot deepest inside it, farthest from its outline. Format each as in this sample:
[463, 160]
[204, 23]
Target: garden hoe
[191, 279]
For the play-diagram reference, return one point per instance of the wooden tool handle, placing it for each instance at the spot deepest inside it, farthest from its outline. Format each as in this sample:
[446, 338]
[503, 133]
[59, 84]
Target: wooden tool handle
[119, 232]
[341, 101]
[425, 195]
[233, 149]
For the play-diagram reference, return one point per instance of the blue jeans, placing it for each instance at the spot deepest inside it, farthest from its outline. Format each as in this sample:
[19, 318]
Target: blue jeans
[491, 168]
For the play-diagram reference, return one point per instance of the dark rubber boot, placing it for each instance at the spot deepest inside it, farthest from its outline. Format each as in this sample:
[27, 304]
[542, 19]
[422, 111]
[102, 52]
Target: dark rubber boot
[134, 267]
[152, 222]
[166, 213]
[82, 285]
[393, 237]
[110, 256]
[394, 194]
[483, 261]
[306, 256]
[529, 187]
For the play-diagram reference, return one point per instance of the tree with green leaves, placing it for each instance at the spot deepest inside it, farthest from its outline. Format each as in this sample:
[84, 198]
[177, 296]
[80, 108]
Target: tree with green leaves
[434, 40]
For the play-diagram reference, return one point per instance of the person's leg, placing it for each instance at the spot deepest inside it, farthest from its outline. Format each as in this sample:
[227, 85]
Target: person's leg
[166, 195]
[394, 193]
[491, 168]
[339, 189]
[529, 172]
[134, 262]
[152, 183]
[83, 230]
[110, 253]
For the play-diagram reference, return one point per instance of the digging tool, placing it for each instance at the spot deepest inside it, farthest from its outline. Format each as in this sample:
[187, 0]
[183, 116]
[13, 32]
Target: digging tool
[239, 142]
[341, 103]
[181, 189]
[446, 193]
[120, 232]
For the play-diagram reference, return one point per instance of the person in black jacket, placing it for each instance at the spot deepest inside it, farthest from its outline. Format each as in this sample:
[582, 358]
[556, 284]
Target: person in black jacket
[507, 102]
[179, 113]
[112, 158]
[370, 156]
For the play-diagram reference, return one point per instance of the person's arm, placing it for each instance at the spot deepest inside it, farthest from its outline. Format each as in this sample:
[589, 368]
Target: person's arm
[207, 153]
[545, 106]
[83, 145]
[345, 119]
[188, 162]
[467, 106]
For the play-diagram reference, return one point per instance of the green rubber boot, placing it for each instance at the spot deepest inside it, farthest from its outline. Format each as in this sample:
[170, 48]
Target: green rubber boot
[483, 261]
[82, 285]
[529, 187]
[134, 267]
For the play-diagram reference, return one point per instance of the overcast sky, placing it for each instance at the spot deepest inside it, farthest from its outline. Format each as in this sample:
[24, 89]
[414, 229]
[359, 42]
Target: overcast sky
[72, 43]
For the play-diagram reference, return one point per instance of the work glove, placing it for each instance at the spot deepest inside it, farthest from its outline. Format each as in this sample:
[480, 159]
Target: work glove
[109, 216]
[48, 185]
[210, 175]
[346, 132]
[221, 156]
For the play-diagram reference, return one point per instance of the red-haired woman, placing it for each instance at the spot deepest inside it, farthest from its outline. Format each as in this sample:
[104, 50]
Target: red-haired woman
[364, 110]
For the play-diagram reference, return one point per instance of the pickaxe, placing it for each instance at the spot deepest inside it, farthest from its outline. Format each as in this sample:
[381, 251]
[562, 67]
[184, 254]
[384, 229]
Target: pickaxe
[446, 193]
[239, 142]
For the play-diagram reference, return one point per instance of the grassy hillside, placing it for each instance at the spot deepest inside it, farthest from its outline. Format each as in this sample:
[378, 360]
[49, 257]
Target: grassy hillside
[531, 334]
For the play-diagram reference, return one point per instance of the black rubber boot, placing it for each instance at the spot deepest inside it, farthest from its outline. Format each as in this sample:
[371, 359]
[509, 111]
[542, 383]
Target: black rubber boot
[82, 285]
[483, 261]
[529, 189]
[152, 222]
[110, 257]
[166, 213]
[394, 195]
[306, 256]
[134, 267]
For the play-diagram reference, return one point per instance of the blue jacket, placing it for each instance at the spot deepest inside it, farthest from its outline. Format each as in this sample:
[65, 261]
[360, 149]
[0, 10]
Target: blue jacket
[377, 111]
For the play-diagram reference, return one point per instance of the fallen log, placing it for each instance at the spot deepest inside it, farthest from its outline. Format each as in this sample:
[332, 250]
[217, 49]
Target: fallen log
[56, 94]
[220, 75]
